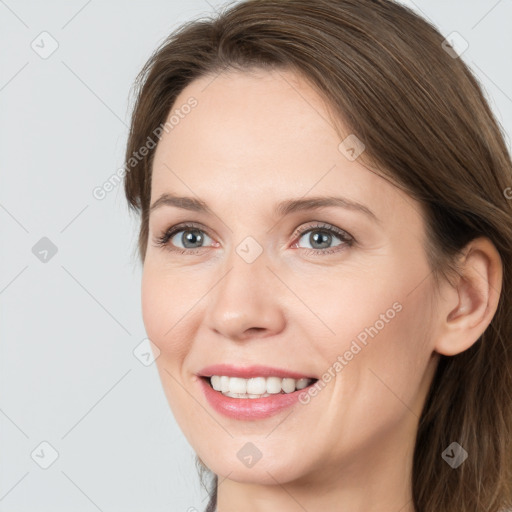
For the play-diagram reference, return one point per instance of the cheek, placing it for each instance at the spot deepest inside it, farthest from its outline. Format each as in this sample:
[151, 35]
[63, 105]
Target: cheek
[162, 308]
[356, 304]
[384, 304]
[153, 310]
[164, 312]
[380, 324]
[386, 376]
[170, 311]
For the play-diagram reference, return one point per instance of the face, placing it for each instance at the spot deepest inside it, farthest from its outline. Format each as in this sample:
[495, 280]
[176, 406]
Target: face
[337, 292]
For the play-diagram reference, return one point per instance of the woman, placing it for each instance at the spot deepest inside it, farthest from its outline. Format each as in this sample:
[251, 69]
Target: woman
[326, 241]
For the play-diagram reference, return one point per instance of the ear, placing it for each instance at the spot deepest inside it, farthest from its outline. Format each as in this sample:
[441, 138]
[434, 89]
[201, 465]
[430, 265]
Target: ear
[468, 307]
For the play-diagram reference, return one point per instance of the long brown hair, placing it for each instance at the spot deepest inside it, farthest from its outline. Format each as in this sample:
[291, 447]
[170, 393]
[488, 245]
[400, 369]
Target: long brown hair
[427, 126]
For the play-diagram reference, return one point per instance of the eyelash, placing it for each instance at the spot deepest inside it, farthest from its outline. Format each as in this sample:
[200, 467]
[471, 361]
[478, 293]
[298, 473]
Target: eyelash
[348, 240]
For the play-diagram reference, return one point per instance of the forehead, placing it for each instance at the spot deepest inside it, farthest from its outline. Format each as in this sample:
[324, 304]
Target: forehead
[260, 134]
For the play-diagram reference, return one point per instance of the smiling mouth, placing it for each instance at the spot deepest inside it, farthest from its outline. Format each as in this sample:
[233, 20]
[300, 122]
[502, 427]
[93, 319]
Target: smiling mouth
[256, 387]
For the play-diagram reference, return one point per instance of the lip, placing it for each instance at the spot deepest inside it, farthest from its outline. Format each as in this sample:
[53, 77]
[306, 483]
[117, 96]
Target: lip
[250, 409]
[247, 372]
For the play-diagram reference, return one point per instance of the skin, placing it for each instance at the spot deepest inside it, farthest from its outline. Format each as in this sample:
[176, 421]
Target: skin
[253, 140]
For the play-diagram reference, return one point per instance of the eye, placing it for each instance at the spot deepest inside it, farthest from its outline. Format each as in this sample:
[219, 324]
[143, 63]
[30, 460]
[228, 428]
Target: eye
[190, 236]
[320, 237]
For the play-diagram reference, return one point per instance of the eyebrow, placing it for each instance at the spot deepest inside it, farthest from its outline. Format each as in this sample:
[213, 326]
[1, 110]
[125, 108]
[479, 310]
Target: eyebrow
[281, 209]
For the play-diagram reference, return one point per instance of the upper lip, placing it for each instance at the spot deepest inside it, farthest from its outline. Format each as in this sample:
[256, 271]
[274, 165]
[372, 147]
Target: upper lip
[247, 372]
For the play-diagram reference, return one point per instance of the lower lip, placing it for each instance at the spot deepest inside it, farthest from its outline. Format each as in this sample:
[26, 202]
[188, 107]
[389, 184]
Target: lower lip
[249, 408]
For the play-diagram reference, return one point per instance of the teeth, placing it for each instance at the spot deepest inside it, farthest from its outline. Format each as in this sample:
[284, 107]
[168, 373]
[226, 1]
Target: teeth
[224, 384]
[245, 395]
[256, 387]
[303, 383]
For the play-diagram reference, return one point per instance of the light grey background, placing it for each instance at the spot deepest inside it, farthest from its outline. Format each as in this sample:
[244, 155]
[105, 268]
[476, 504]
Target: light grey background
[69, 326]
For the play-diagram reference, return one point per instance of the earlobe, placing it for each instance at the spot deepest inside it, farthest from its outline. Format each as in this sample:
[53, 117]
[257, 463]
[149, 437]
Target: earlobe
[474, 299]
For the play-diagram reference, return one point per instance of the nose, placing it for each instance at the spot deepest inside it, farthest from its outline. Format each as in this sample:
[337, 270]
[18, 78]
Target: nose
[247, 300]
